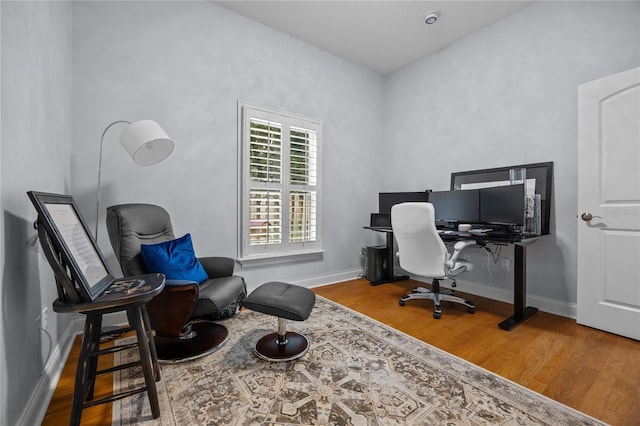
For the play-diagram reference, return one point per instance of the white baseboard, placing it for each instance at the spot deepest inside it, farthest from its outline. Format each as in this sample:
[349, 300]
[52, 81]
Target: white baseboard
[321, 279]
[329, 279]
[37, 405]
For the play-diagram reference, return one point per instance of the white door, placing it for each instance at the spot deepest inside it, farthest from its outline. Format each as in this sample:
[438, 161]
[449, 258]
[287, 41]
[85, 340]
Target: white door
[609, 204]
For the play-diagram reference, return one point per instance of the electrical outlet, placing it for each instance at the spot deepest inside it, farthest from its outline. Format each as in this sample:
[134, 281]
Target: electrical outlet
[44, 318]
[505, 264]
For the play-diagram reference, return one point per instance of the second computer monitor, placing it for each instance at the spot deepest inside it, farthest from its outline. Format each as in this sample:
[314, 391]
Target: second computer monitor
[386, 200]
[502, 205]
[456, 206]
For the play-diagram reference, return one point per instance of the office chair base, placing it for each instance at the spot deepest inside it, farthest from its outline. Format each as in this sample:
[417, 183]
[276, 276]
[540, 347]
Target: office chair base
[205, 338]
[448, 296]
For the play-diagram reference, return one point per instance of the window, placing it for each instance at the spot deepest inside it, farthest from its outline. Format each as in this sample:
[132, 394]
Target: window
[280, 194]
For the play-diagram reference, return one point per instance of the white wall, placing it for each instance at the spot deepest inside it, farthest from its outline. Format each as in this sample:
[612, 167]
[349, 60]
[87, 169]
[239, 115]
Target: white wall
[35, 155]
[507, 95]
[185, 65]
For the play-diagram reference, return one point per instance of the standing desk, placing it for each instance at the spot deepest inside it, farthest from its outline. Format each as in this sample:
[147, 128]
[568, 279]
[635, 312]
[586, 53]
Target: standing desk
[521, 311]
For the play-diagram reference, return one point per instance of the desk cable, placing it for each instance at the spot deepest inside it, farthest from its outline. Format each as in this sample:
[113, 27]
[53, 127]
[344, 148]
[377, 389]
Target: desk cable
[50, 339]
[492, 255]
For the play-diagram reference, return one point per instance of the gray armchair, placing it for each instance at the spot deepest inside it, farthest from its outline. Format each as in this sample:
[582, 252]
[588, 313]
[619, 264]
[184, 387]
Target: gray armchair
[182, 315]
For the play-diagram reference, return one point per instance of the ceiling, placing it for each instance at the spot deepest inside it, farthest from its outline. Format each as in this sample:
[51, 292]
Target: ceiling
[383, 36]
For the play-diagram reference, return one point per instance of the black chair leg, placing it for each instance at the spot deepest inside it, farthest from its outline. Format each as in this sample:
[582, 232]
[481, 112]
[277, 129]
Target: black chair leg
[86, 369]
[96, 332]
[152, 344]
[144, 342]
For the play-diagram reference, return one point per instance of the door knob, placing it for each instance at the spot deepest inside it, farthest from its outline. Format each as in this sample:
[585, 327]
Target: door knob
[586, 216]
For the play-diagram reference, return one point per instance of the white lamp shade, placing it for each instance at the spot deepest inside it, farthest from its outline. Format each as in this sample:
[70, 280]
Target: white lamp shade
[146, 142]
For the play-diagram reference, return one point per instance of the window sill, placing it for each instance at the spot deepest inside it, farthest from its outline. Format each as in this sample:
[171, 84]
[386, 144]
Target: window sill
[279, 258]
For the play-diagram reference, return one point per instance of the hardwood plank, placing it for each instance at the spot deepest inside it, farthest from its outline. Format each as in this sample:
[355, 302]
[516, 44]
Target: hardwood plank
[610, 373]
[623, 401]
[595, 372]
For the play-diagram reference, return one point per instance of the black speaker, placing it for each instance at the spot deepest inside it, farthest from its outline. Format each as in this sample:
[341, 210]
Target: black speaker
[376, 263]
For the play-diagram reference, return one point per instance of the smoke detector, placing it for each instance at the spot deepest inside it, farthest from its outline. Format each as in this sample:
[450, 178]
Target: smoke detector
[431, 18]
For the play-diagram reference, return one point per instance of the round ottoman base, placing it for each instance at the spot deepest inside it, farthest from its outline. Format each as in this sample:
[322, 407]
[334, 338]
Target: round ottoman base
[269, 348]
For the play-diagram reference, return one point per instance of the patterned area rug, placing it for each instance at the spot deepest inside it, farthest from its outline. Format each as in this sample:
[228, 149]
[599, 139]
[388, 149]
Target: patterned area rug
[357, 372]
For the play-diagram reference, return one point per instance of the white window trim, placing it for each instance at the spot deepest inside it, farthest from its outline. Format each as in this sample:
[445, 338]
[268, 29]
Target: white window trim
[284, 252]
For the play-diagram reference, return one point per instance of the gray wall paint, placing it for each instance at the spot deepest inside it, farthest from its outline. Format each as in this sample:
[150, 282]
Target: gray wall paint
[36, 143]
[185, 65]
[483, 102]
[507, 95]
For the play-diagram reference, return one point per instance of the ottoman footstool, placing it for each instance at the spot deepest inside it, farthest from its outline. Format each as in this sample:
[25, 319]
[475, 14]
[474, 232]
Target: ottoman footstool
[287, 302]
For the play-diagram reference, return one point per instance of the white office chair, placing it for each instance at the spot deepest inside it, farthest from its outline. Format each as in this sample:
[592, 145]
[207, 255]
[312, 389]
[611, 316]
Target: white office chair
[422, 252]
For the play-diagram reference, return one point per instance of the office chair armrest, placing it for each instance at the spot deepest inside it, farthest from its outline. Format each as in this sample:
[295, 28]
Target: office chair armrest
[217, 267]
[461, 245]
[457, 249]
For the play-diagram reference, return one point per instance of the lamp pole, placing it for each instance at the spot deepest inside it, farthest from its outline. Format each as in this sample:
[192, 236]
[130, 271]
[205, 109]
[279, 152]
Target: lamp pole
[100, 173]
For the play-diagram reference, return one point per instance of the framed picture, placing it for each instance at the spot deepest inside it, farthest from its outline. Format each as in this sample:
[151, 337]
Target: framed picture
[79, 254]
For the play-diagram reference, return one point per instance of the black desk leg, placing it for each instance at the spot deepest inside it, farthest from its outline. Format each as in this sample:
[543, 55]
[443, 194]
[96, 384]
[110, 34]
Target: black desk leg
[390, 275]
[520, 311]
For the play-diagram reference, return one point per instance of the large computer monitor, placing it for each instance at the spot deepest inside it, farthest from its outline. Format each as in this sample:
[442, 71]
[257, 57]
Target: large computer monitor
[456, 206]
[387, 199]
[538, 175]
[502, 205]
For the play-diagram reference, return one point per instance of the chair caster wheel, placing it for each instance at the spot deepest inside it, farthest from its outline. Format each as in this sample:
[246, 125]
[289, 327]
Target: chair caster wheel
[401, 303]
[470, 309]
[436, 315]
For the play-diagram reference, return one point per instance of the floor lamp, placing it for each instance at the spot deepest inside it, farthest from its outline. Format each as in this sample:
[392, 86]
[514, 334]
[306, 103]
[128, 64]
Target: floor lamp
[145, 141]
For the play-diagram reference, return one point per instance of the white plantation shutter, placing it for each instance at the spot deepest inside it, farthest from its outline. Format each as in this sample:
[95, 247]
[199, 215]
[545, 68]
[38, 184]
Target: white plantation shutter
[304, 151]
[265, 218]
[265, 166]
[303, 160]
[280, 164]
[302, 216]
[265, 153]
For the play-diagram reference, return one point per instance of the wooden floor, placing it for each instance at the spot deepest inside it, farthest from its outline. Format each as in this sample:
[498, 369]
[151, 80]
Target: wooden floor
[595, 372]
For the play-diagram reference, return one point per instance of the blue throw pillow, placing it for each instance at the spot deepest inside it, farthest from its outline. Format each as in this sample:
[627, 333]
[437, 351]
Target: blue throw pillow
[176, 259]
